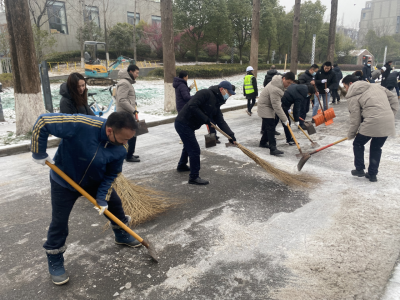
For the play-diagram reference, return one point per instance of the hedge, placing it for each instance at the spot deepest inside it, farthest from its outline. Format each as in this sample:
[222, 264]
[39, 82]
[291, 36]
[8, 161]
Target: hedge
[220, 70]
[7, 80]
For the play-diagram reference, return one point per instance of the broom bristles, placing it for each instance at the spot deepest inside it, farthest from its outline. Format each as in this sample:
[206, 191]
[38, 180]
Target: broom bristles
[139, 202]
[300, 180]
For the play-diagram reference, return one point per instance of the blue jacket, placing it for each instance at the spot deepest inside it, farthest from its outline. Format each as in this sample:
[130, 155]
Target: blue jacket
[182, 93]
[84, 153]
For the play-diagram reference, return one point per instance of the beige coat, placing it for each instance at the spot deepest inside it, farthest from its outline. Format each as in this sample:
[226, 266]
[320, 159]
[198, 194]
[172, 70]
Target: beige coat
[126, 97]
[372, 110]
[269, 102]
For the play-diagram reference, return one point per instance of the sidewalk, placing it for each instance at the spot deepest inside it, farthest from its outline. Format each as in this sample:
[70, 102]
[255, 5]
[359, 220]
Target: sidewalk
[244, 236]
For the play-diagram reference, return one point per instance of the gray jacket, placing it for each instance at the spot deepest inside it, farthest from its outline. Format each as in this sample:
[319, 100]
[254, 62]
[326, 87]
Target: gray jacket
[372, 110]
[126, 97]
[269, 102]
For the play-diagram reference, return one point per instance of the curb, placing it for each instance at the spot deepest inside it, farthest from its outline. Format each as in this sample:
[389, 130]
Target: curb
[54, 142]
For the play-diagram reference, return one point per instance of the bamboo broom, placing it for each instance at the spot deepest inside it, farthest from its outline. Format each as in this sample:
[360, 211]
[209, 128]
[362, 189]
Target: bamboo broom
[283, 176]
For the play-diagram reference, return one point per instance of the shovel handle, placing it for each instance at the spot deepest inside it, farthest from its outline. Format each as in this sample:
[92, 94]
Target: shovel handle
[91, 199]
[195, 84]
[294, 138]
[301, 128]
[136, 115]
[327, 146]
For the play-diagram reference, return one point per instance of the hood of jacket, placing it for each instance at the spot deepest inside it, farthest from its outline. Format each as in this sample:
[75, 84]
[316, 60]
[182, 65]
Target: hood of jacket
[64, 91]
[357, 88]
[218, 95]
[272, 72]
[178, 81]
[336, 69]
[123, 74]
[277, 82]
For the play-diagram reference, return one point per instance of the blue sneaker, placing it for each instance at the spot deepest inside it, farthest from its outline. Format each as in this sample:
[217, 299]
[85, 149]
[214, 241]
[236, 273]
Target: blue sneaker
[55, 259]
[124, 238]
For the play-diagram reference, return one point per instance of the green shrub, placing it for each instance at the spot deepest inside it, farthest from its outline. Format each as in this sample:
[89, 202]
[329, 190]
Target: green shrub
[213, 71]
[7, 80]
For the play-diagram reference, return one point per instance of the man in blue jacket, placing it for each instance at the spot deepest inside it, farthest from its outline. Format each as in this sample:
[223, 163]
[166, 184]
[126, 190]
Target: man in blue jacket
[91, 153]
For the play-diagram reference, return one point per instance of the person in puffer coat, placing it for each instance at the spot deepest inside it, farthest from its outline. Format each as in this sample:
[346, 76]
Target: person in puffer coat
[270, 110]
[392, 82]
[335, 86]
[297, 95]
[126, 102]
[203, 109]
[74, 94]
[270, 74]
[325, 77]
[182, 91]
[372, 117]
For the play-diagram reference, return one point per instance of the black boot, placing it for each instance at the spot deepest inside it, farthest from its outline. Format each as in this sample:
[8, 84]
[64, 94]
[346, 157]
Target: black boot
[277, 133]
[133, 159]
[291, 142]
[358, 173]
[198, 181]
[275, 151]
[371, 178]
[124, 238]
[183, 168]
[55, 259]
[266, 145]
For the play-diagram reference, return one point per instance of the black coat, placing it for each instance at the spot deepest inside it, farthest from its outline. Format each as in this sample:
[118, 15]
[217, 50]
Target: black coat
[67, 104]
[329, 76]
[295, 94]
[254, 83]
[366, 73]
[339, 76]
[392, 80]
[182, 93]
[270, 74]
[306, 77]
[385, 74]
[203, 108]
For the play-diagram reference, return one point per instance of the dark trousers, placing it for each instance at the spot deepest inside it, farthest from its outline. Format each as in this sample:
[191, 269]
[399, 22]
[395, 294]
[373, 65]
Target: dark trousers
[250, 104]
[335, 95]
[375, 152]
[131, 149]
[269, 127]
[304, 109]
[191, 149]
[62, 202]
[287, 132]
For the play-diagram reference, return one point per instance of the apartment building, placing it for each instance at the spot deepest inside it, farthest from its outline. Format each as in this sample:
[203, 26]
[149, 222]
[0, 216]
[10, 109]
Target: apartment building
[383, 16]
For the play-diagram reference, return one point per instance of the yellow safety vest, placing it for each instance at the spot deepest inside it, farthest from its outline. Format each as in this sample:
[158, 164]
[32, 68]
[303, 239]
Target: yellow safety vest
[248, 85]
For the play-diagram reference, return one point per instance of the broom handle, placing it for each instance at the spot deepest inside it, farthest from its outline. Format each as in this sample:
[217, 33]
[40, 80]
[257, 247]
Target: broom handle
[294, 138]
[195, 84]
[320, 105]
[220, 131]
[327, 146]
[301, 128]
[91, 199]
[326, 95]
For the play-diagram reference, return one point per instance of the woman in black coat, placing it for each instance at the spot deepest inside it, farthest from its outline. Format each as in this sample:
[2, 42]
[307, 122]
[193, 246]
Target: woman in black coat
[74, 96]
[182, 91]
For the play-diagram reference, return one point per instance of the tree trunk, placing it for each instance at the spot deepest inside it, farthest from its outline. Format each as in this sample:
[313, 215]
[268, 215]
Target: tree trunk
[82, 9]
[28, 97]
[255, 30]
[106, 36]
[134, 35]
[332, 31]
[217, 52]
[295, 37]
[167, 30]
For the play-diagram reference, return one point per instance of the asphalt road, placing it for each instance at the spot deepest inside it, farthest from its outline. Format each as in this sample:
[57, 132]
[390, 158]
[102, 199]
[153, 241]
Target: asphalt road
[244, 236]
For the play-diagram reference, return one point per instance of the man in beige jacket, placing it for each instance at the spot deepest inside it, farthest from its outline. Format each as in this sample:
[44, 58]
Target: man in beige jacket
[126, 101]
[372, 111]
[270, 110]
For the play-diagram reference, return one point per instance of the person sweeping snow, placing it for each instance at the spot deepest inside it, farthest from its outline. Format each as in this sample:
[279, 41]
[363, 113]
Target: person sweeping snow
[372, 111]
[91, 153]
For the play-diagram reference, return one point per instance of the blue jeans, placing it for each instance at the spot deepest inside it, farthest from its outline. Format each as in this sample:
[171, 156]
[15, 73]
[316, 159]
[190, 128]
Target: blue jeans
[304, 109]
[191, 149]
[62, 202]
[324, 103]
[375, 152]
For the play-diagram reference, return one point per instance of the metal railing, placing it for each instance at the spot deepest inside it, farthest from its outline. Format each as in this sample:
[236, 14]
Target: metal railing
[5, 65]
[74, 66]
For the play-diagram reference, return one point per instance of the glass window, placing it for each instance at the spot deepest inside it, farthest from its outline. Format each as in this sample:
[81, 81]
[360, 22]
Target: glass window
[57, 18]
[131, 18]
[155, 20]
[364, 15]
[368, 4]
[92, 14]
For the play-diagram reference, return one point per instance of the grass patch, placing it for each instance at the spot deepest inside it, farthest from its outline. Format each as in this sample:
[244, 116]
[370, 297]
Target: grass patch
[11, 138]
[7, 80]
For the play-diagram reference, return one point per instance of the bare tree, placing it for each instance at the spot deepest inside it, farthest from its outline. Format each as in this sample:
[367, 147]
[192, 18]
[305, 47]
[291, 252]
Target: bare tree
[295, 37]
[332, 31]
[255, 32]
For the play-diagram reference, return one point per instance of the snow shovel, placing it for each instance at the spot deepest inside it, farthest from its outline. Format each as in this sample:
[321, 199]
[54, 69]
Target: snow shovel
[310, 127]
[145, 243]
[142, 125]
[313, 144]
[301, 154]
[307, 156]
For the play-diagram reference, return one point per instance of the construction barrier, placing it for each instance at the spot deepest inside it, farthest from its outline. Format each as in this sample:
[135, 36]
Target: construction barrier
[74, 66]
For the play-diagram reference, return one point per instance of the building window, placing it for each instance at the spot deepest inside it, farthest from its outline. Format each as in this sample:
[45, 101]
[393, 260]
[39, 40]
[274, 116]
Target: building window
[57, 18]
[92, 15]
[368, 5]
[363, 15]
[155, 20]
[131, 18]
